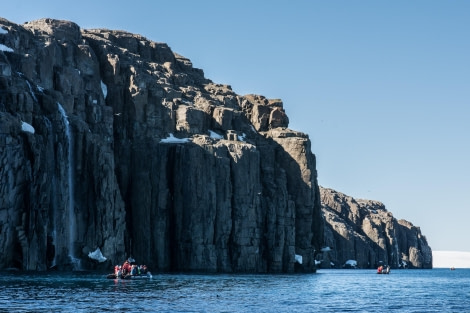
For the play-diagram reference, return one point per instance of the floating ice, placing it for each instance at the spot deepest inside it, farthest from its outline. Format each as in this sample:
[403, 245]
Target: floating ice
[97, 255]
[27, 127]
[5, 48]
[173, 139]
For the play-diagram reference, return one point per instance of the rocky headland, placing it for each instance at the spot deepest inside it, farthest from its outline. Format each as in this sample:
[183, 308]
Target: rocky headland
[363, 231]
[114, 142]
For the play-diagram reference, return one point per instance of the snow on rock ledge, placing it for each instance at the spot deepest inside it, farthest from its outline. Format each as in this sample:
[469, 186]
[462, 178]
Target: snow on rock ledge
[28, 128]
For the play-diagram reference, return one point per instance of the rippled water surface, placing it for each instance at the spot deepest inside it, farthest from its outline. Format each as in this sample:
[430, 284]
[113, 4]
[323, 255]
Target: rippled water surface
[438, 290]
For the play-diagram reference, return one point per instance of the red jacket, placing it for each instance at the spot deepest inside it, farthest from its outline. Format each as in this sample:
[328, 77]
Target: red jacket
[126, 268]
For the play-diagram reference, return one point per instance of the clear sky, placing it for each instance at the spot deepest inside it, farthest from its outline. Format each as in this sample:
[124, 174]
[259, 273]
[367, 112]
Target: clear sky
[381, 87]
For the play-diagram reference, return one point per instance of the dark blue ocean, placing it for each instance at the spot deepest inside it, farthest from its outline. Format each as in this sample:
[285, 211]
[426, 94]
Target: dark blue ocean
[437, 290]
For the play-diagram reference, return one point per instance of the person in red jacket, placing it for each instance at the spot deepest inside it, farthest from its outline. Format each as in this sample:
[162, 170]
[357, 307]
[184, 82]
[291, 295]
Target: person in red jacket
[126, 268]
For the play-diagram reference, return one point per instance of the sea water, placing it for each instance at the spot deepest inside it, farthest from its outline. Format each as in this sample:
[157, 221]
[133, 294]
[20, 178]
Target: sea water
[437, 290]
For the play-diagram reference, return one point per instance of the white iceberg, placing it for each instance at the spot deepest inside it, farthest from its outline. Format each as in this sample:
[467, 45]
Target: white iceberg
[97, 255]
[27, 127]
[449, 259]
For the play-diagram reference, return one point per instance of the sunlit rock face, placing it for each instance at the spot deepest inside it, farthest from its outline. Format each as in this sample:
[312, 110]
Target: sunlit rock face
[112, 141]
[364, 231]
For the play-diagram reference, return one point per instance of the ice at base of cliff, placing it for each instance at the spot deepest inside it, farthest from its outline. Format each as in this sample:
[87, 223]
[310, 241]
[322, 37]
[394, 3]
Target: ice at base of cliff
[173, 139]
[5, 48]
[97, 255]
[27, 127]
[352, 263]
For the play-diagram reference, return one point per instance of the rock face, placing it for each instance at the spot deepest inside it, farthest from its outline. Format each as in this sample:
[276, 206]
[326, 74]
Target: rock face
[111, 141]
[364, 231]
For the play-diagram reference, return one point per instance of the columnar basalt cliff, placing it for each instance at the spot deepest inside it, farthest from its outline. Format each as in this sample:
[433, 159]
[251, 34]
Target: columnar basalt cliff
[112, 141]
[365, 232]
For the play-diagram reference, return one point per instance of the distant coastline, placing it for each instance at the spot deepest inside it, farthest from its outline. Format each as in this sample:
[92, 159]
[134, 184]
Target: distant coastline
[447, 259]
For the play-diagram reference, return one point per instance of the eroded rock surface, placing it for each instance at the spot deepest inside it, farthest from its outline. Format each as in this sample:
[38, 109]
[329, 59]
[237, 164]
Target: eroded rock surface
[109, 140]
[364, 231]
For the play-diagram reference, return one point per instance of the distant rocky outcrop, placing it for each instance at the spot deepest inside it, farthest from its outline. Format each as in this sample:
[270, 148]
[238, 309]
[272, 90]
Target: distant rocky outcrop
[365, 232]
[109, 140]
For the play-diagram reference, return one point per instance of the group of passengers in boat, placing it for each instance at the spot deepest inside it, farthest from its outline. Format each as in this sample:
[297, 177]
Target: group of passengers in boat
[129, 268]
[383, 269]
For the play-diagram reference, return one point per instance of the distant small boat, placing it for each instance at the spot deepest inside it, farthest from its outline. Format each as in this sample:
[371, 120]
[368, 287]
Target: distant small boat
[383, 270]
[452, 268]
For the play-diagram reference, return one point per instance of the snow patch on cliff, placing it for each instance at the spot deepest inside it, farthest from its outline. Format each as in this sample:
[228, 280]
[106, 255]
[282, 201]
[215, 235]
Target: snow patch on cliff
[97, 255]
[214, 135]
[104, 88]
[28, 128]
[5, 48]
[173, 139]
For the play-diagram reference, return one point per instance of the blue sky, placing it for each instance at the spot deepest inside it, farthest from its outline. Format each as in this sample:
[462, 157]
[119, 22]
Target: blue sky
[381, 87]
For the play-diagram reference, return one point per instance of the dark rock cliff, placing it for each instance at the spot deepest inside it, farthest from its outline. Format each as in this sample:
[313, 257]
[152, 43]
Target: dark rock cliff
[365, 232]
[111, 141]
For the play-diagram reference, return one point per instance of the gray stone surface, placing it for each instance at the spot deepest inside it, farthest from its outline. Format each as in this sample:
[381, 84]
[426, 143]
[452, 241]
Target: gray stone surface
[364, 231]
[135, 168]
